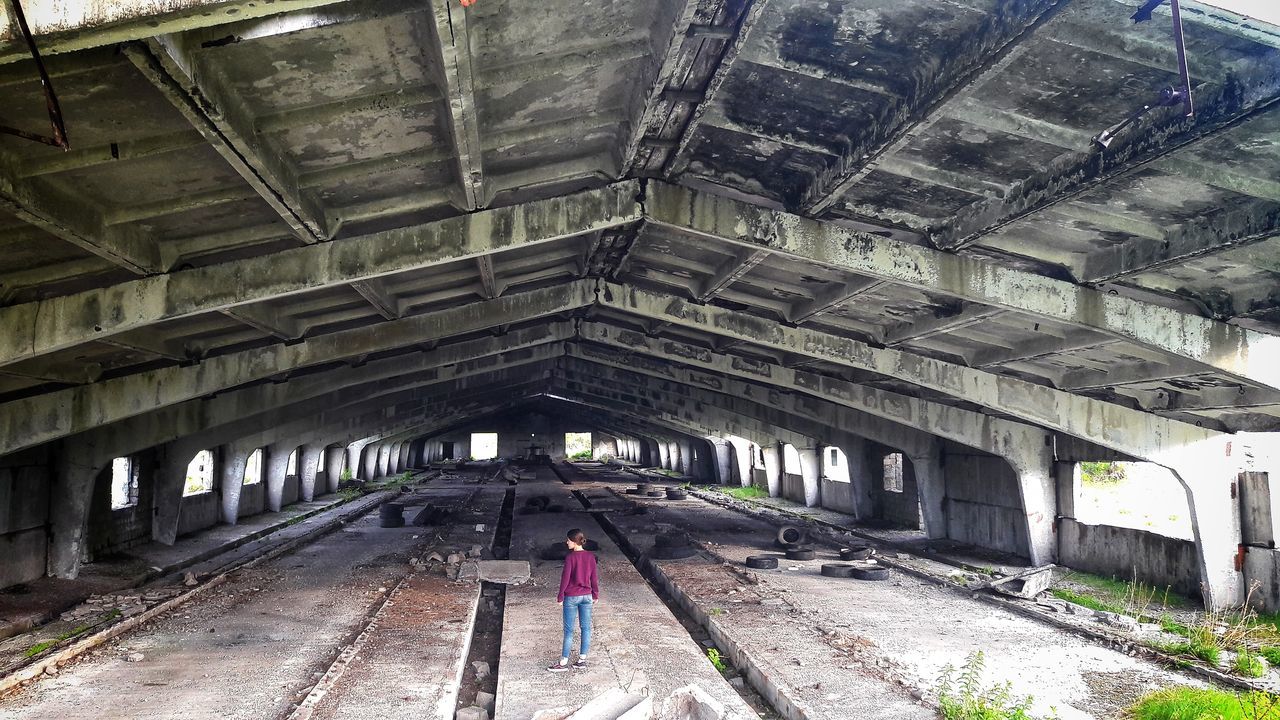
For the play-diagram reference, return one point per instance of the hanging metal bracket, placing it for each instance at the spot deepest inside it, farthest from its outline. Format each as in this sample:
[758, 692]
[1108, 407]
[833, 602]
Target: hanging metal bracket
[58, 136]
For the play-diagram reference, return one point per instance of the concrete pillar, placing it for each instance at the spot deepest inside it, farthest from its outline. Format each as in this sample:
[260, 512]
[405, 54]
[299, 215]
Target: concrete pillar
[70, 500]
[275, 466]
[724, 462]
[308, 469]
[1067, 475]
[772, 468]
[335, 457]
[233, 459]
[369, 462]
[931, 483]
[664, 455]
[1210, 484]
[867, 479]
[741, 463]
[686, 458]
[1039, 501]
[406, 449]
[811, 473]
[169, 485]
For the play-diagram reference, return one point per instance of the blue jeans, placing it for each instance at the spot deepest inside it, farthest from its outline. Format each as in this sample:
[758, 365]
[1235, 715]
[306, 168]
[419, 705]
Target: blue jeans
[577, 610]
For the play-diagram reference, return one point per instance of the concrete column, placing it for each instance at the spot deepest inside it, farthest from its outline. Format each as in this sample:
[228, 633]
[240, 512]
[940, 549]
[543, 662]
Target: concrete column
[308, 468]
[274, 467]
[741, 453]
[368, 462]
[686, 457]
[724, 462]
[1215, 520]
[1039, 501]
[232, 459]
[406, 448]
[1067, 478]
[70, 499]
[664, 455]
[867, 479]
[931, 483]
[811, 473]
[170, 481]
[772, 467]
[335, 457]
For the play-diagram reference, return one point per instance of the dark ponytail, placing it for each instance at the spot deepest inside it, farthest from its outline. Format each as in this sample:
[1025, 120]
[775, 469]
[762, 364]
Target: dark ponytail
[577, 536]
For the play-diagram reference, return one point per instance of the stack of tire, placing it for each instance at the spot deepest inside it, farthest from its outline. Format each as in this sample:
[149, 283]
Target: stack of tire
[391, 515]
[676, 493]
[674, 545]
[792, 541]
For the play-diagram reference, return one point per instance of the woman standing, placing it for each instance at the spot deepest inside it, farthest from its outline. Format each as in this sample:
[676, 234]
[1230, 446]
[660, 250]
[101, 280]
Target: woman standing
[579, 589]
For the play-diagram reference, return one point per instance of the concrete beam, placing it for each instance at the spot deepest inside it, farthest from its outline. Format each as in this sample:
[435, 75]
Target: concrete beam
[203, 96]
[452, 56]
[35, 329]
[484, 264]
[834, 297]
[1231, 228]
[656, 106]
[983, 52]
[741, 26]
[30, 421]
[76, 221]
[1133, 432]
[924, 328]
[730, 271]
[268, 321]
[61, 27]
[375, 293]
[1236, 100]
[1235, 351]
[81, 158]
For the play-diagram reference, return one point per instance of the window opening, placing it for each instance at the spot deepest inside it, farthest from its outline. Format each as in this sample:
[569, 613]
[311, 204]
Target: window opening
[293, 463]
[790, 460]
[124, 483]
[893, 472]
[199, 474]
[577, 445]
[253, 468]
[484, 446]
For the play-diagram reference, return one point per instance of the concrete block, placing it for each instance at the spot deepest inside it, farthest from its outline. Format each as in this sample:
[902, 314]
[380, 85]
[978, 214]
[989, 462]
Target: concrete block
[693, 703]
[472, 713]
[485, 700]
[506, 572]
[611, 705]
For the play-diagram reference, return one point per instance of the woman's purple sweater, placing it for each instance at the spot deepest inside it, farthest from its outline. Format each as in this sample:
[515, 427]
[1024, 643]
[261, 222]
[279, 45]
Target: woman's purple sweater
[579, 576]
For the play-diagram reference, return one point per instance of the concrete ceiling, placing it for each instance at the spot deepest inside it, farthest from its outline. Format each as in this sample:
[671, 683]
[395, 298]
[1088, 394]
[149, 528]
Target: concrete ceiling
[292, 190]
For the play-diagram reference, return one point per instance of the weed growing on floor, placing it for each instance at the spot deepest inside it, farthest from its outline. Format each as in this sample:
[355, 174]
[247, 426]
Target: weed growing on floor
[1086, 600]
[744, 493]
[38, 648]
[1185, 703]
[1248, 665]
[349, 494]
[716, 661]
[1271, 653]
[581, 455]
[962, 697]
[346, 475]
[715, 612]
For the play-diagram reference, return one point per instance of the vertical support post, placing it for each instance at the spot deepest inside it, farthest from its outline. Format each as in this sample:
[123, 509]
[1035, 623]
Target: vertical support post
[811, 473]
[275, 468]
[308, 469]
[931, 483]
[233, 458]
[772, 468]
[70, 501]
[724, 462]
[170, 482]
[1036, 485]
[1212, 491]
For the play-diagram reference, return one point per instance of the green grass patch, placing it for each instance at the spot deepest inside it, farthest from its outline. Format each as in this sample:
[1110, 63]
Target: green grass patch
[961, 695]
[1248, 665]
[38, 648]
[716, 661]
[744, 493]
[1272, 654]
[1184, 703]
[1088, 601]
[1208, 653]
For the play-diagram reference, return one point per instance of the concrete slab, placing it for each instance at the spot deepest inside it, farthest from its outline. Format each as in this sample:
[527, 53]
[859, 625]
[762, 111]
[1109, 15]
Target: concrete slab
[251, 647]
[638, 646]
[42, 600]
[842, 647]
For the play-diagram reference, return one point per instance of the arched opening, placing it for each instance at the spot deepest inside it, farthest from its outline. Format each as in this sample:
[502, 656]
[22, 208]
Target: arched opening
[124, 483]
[199, 474]
[484, 446]
[577, 446]
[291, 468]
[835, 466]
[253, 468]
